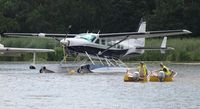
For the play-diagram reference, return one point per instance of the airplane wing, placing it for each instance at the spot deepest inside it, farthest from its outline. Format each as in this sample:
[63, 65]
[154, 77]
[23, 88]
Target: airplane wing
[38, 35]
[148, 34]
[23, 50]
[113, 36]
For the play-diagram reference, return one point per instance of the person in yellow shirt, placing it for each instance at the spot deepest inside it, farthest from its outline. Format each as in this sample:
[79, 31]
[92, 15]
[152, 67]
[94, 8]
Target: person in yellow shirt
[142, 69]
[165, 70]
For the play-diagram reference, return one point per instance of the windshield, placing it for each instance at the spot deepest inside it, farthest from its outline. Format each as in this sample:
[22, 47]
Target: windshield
[88, 37]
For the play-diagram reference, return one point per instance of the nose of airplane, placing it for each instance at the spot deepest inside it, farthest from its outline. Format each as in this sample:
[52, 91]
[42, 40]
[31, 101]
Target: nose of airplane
[65, 42]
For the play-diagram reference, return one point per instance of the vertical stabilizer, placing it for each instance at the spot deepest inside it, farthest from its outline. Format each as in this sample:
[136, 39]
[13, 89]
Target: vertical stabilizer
[139, 42]
[142, 26]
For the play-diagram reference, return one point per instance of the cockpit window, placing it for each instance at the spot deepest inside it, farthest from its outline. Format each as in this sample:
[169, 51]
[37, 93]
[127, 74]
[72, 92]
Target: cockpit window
[88, 37]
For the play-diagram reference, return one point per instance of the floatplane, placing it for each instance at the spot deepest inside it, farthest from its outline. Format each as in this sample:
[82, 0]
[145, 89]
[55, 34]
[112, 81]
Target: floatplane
[107, 48]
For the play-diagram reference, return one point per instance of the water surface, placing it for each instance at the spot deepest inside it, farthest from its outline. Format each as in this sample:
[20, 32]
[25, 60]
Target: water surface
[21, 88]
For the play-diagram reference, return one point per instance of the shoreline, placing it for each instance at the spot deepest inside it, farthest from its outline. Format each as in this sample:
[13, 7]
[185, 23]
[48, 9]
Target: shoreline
[131, 62]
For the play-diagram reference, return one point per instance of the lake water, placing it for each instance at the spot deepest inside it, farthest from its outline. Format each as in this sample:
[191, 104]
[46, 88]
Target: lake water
[21, 88]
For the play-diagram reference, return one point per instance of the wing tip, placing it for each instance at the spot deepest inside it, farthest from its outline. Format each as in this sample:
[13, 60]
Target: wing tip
[187, 31]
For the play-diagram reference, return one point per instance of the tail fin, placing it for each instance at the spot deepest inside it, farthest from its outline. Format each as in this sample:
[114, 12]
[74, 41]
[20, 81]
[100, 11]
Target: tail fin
[142, 26]
[139, 42]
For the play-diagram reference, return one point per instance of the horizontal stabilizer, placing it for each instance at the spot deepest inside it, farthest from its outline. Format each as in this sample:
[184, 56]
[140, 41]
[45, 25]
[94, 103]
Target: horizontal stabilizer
[154, 48]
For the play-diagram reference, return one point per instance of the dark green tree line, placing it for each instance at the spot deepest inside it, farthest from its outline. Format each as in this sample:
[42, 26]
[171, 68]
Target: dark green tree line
[95, 15]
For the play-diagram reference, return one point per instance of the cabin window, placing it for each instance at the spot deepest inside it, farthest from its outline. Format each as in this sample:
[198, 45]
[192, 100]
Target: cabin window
[87, 37]
[103, 42]
[121, 47]
[118, 46]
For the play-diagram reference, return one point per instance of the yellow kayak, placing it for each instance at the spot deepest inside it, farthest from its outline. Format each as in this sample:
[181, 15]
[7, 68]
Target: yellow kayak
[130, 78]
[155, 77]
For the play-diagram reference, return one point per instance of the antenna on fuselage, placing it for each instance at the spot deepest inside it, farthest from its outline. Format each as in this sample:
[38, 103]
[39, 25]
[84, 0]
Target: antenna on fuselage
[98, 32]
[68, 30]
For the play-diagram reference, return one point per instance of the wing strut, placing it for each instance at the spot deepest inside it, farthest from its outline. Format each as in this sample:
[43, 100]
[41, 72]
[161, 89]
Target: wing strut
[89, 58]
[32, 66]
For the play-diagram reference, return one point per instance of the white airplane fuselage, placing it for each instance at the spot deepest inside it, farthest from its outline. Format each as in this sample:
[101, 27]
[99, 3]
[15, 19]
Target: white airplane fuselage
[89, 42]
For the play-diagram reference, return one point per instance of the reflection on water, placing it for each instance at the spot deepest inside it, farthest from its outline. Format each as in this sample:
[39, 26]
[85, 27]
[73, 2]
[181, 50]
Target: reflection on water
[21, 88]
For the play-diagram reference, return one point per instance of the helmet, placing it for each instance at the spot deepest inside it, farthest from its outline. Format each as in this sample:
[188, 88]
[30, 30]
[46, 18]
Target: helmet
[161, 64]
[141, 62]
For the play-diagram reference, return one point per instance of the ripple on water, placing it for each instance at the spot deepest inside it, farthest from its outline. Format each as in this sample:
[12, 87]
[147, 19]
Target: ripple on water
[22, 88]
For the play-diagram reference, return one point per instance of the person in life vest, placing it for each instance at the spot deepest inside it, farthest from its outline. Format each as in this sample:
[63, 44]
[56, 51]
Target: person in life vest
[142, 69]
[165, 70]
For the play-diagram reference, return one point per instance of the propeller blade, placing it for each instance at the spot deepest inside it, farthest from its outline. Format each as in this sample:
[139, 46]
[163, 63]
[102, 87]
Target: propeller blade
[64, 53]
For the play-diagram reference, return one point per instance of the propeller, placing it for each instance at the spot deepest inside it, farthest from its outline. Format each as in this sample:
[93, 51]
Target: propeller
[65, 49]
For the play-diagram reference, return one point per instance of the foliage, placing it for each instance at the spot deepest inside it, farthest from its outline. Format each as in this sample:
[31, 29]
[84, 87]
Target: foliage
[105, 15]
[94, 15]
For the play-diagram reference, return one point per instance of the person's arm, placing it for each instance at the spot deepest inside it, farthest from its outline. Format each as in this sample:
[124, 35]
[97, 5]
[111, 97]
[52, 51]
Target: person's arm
[147, 71]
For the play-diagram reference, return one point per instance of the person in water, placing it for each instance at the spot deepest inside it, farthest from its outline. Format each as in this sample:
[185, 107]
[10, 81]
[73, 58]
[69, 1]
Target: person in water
[142, 69]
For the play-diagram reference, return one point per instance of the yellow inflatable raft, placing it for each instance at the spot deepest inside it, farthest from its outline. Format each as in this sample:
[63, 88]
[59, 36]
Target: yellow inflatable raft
[156, 79]
[130, 78]
[153, 77]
